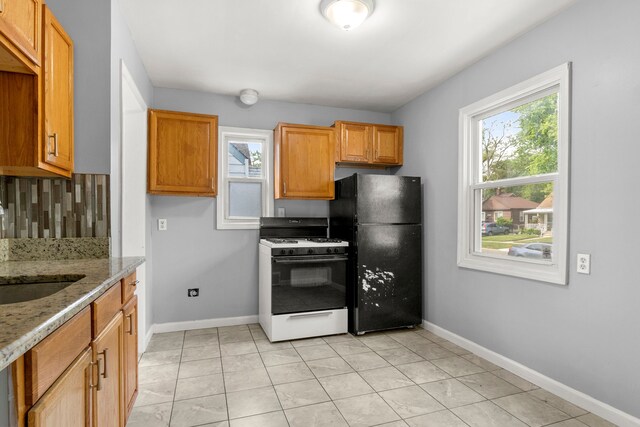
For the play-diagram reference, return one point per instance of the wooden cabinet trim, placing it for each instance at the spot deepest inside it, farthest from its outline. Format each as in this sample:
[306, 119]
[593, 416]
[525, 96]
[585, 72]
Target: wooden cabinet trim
[105, 307]
[130, 312]
[46, 361]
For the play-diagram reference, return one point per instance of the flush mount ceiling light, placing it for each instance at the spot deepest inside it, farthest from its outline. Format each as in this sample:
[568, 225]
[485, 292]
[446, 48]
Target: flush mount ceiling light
[346, 14]
[248, 96]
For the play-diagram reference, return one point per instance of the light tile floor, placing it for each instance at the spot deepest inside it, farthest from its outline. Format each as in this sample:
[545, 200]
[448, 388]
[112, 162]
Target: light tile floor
[234, 377]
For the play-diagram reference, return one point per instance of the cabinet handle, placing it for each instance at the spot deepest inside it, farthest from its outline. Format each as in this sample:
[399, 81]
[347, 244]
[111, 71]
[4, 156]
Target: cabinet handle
[104, 366]
[55, 139]
[284, 184]
[135, 282]
[130, 331]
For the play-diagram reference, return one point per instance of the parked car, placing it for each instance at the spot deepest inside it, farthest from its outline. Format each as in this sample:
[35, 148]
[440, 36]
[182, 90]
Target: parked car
[532, 250]
[491, 228]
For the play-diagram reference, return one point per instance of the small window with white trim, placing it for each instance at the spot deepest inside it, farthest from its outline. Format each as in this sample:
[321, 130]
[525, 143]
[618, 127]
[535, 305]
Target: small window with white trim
[514, 161]
[245, 191]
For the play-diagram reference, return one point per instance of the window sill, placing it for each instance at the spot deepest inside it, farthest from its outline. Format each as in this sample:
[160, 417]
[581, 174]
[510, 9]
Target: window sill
[539, 271]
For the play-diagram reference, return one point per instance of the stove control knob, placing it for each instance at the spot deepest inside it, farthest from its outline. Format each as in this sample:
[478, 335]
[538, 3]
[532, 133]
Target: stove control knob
[290, 251]
[310, 251]
[328, 250]
[336, 250]
[283, 251]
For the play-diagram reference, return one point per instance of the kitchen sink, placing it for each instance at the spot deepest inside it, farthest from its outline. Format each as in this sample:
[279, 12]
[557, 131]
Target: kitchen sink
[14, 290]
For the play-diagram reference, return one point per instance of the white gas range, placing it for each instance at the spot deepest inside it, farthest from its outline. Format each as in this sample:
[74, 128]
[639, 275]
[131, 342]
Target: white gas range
[302, 279]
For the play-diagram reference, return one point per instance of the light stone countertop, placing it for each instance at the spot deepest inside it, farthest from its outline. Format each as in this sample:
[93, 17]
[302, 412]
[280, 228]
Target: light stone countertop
[24, 324]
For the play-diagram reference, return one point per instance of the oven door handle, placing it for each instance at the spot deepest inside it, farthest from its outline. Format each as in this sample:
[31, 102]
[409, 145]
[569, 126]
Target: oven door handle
[310, 259]
[313, 314]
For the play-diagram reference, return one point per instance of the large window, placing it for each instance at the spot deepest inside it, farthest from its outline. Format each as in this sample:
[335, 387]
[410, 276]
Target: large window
[513, 181]
[245, 191]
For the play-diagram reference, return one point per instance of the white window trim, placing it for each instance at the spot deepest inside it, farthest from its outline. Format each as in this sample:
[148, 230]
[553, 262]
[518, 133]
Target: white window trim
[222, 203]
[468, 257]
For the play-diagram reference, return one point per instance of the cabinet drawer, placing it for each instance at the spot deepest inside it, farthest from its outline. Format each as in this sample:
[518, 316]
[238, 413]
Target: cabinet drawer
[305, 325]
[104, 308]
[45, 362]
[128, 287]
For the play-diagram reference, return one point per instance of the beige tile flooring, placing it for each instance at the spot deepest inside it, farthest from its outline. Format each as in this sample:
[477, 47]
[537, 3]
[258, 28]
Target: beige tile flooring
[234, 377]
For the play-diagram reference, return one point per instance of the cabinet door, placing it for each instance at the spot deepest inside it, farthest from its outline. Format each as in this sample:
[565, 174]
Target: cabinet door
[387, 145]
[355, 142]
[130, 311]
[109, 385]
[57, 137]
[68, 402]
[306, 162]
[183, 155]
[20, 22]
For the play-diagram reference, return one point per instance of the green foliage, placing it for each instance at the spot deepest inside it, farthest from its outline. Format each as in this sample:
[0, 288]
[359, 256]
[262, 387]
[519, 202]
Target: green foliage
[527, 145]
[531, 231]
[505, 222]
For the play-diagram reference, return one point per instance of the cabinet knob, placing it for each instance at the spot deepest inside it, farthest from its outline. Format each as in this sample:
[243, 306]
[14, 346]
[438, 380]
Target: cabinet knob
[135, 282]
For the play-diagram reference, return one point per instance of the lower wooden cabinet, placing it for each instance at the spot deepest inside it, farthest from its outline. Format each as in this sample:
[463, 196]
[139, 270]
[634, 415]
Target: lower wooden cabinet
[130, 312]
[108, 391]
[68, 401]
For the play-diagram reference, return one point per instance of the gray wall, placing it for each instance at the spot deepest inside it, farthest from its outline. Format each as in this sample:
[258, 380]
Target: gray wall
[222, 263]
[584, 335]
[87, 23]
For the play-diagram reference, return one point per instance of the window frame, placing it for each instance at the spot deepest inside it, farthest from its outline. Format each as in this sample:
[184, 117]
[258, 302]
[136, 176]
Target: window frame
[470, 180]
[223, 221]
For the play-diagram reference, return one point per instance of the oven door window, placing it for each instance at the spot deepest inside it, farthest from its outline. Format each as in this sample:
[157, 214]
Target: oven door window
[308, 283]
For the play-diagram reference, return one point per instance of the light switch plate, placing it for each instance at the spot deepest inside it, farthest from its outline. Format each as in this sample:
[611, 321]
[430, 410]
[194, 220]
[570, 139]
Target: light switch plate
[162, 224]
[584, 264]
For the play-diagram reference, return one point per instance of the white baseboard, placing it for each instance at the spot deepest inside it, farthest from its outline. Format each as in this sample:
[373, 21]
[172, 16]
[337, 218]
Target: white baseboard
[576, 397]
[201, 324]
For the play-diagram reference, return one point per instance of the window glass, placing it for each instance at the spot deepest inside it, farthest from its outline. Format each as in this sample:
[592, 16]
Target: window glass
[521, 141]
[245, 159]
[245, 199]
[508, 235]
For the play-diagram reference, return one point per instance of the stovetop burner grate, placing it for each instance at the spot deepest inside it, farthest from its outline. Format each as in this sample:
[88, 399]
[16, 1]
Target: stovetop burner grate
[324, 240]
[274, 240]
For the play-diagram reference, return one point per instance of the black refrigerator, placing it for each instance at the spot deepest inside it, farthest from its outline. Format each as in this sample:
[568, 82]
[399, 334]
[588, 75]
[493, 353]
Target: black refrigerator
[381, 217]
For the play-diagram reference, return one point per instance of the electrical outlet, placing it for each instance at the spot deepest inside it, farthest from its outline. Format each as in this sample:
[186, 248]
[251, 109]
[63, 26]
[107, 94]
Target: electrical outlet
[584, 264]
[193, 292]
[162, 224]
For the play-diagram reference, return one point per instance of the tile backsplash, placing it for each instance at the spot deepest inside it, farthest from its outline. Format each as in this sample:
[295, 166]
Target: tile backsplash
[55, 207]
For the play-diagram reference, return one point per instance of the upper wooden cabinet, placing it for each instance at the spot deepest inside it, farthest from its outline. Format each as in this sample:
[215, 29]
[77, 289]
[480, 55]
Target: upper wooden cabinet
[368, 144]
[36, 126]
[304, 162]
[58, 96]
[183, 151]
[20, 26]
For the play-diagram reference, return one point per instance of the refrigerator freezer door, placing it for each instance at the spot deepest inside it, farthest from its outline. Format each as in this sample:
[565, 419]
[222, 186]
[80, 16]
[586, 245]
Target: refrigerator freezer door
[388, 288]
[388, 199]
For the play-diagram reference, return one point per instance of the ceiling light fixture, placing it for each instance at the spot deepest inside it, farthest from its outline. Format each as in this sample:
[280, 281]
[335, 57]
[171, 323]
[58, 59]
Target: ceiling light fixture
[249, 96]
[346, 14]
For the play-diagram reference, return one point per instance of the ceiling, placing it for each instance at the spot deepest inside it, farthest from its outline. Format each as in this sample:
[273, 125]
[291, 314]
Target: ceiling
[287, 51]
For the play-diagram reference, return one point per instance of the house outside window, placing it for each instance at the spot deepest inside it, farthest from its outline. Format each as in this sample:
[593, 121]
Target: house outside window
[513, 166]
[245, 189]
